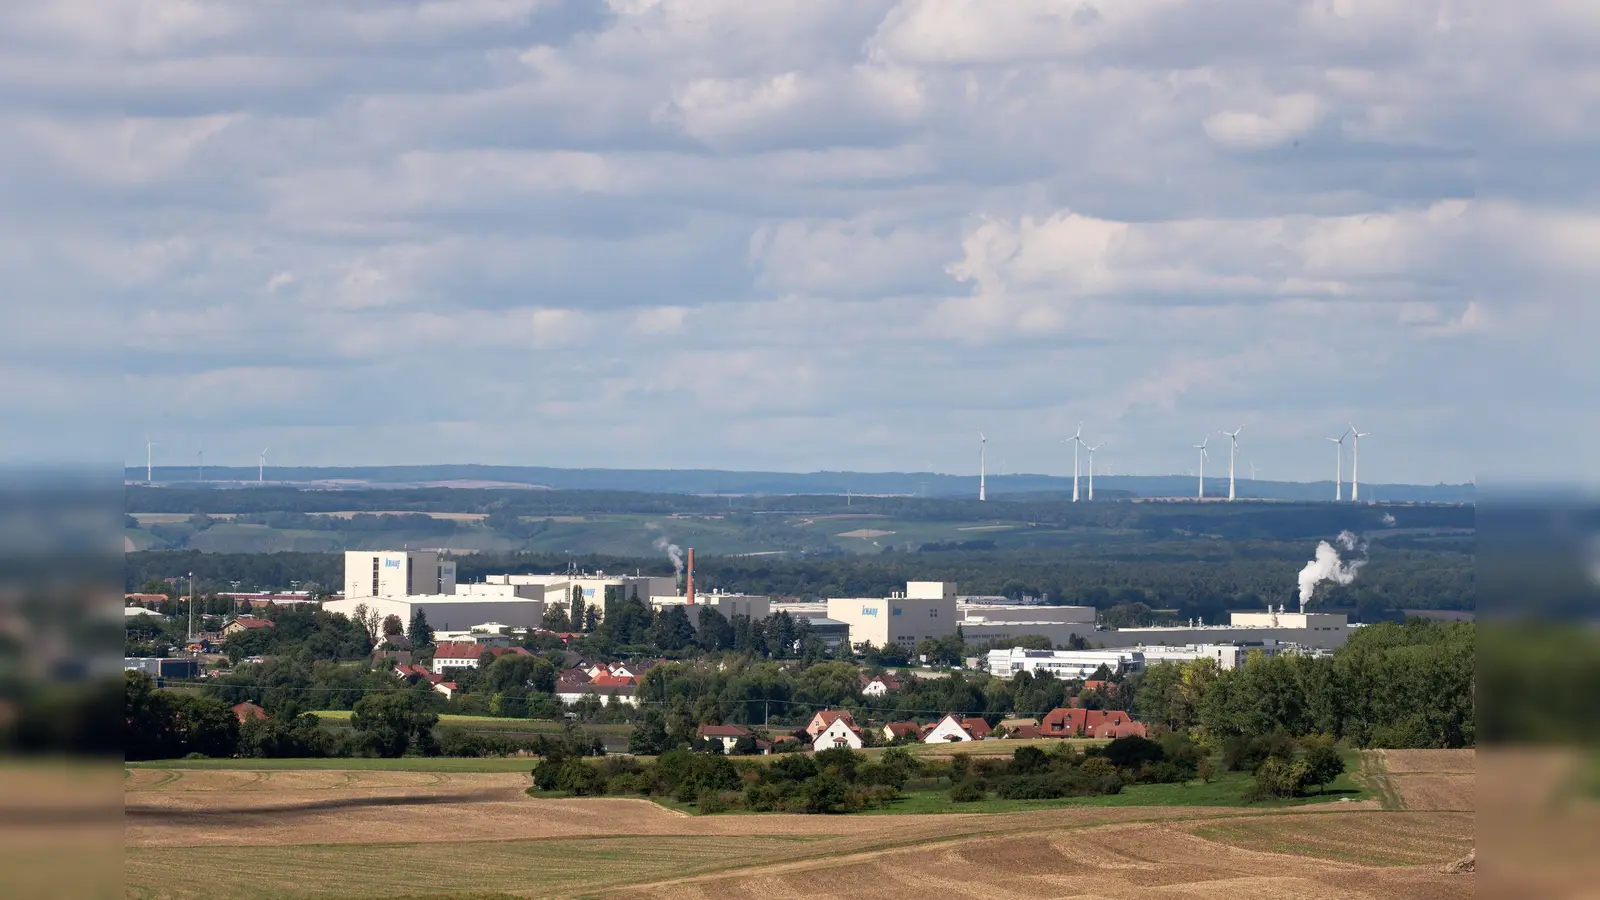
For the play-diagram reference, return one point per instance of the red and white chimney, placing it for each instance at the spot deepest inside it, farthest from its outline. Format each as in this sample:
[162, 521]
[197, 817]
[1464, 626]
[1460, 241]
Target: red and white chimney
[688, 580]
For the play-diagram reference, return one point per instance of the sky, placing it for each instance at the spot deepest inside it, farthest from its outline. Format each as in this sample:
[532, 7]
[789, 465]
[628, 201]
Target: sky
[803, 234]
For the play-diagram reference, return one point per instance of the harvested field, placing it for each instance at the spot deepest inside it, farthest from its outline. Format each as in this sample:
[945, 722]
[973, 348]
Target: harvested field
[864, 533]
[1428, 779]
[369, 834]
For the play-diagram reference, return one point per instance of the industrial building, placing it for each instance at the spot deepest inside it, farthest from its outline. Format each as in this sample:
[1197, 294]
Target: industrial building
[1228, 656]
[1074, 664]
[448, 612]
[754, 606]
[983, 623]
[1322, 631]
[599, 590]
[397, 573]
[926, 611]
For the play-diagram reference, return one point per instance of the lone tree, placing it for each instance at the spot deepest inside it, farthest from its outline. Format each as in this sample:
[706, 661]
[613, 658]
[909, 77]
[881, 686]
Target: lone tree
[1323, 764]
[392, 625]
[578, 620]
[420, 633]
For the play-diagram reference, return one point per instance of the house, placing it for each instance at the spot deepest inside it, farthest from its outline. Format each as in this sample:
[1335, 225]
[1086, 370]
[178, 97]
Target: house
[902, 731]
[1103, 688]
[841, 732]
[456, 655]
[246, 711]
[729, 735]
[149, 600]
[1079, 722]
[820, 722]
[1013, 724]
[947, 729]
[1023, 732]
[245, 623]
[447, 688]
[879, 685]
[406, 671]
[977, 727]
[607, 687]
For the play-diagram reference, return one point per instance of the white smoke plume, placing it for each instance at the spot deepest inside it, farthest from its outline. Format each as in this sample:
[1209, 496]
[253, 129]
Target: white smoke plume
[1327, 566]
[674, 553]
[1388, 520]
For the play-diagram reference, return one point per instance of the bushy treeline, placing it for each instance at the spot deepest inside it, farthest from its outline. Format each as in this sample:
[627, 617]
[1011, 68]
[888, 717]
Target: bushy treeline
[1391, 685]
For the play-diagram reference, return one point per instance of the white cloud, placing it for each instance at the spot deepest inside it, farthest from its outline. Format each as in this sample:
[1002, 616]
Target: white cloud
[1282, 120]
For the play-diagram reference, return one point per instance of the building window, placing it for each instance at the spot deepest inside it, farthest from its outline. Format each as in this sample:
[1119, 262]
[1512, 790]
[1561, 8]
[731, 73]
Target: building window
[411, 586]
[375, 563]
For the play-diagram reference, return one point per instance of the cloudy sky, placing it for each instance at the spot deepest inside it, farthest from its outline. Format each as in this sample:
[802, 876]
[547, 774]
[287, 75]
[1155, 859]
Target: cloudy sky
[802, 234]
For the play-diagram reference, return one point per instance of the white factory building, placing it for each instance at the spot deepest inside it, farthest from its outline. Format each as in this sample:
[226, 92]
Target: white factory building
[926, 611]
[1071, 664]
[598, 589]
[1322, 631]
[983, 623]
[397, 573]
[448, 612]
[754, 606]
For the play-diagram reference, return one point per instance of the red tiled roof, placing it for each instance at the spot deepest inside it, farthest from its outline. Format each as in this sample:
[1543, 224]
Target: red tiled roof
[252, 622]
[458, 650]
[976, 727]
[1077, 722]
[828, 716]
[1024, 732]
[498, 652]
[723, 731]
[904, 729]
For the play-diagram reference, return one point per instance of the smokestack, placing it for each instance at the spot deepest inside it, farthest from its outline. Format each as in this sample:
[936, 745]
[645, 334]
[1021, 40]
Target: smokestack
[688, 580]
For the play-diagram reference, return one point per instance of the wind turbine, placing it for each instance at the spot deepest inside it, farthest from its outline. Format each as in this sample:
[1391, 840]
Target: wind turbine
[149, 460]
[983, 449]
[1091, 468]
[1232, 453]
[1076, 441]
[1355, 462]
[1252, 471]
[200, 463]
[1338, 471]
[261, 462]
[1202, 448]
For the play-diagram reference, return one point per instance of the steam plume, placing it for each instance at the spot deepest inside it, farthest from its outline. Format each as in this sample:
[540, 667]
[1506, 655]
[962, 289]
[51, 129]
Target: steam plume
[1388, 519]
[674, 553]
[1327, 566]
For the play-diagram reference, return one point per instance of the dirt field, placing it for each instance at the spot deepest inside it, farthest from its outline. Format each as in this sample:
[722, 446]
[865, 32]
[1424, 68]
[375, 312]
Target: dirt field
[1430, 779]
[355, 835]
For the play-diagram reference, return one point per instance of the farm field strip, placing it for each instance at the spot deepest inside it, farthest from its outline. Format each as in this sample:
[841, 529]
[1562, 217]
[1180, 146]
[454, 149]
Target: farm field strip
[1372, 839]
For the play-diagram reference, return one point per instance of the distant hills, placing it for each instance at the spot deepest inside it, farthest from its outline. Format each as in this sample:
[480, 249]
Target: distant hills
[722, 482]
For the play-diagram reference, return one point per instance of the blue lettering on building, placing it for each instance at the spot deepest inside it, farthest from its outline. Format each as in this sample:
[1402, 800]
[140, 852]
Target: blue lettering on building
[391, 564]
[869, 610]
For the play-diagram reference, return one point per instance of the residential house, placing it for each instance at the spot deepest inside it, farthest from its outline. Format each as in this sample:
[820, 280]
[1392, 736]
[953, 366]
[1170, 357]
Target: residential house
[245, 623]
[820, 722]
[729, 735]
[902, 731]
[879, 685]
[465, 654]
[607, 687]
[1079, 722]
[246, 711]
[150, 601]
[841, 732]
[1023, 732]
[951, 729]
[447, 688]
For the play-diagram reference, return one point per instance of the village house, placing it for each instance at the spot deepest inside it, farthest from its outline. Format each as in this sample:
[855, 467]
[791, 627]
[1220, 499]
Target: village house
[902, 731]
[1091, 723]
[728, 735]
[243, 624]
[879, 685]
[574, 684]
[841, 732]
[465, 655]
[820, 722]
[950, 729]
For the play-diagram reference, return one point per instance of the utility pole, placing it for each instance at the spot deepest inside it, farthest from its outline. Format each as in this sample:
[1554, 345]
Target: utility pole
[191, 606]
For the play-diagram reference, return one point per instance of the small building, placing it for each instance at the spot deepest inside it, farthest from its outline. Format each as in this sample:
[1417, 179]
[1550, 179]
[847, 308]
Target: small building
[820, 722]
[606, 687]
[841, 732]
[728, 735]
[1089, 723]
[879, 685]
[155, 667]
[247, 711]
[245, 623]
[902, 731]
[951, 729]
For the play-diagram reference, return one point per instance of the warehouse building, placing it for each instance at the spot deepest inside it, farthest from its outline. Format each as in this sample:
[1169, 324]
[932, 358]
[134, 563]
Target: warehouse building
[926, 611]
[754, 606]
[447, 612]
[397, 573]
[1071, 664]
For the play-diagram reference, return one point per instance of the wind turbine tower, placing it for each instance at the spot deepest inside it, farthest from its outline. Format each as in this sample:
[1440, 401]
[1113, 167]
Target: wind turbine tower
[1091, 469]
[1077, 441]
[200, 463]
[261, 464]
[983, 449]
[1338, 469]
[1202, 448]
[1233, 453]
[1355, 462]
[149, 460]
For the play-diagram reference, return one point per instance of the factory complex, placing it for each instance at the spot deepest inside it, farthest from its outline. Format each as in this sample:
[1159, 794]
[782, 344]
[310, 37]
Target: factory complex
[405, 582]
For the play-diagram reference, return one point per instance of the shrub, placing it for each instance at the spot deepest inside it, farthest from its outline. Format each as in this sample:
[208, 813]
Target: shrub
[1275, 778]
[710, 802]
[792, 768]
[966, 792]
[762, 797]
[1323, 764]
[1131, 752]
[825, 794]
[1028, 760]
[1098, 767]
[627, 784]
[1032, 787]
[577, 778]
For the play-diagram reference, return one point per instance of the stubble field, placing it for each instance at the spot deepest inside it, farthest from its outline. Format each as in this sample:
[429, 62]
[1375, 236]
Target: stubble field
[354, 835]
